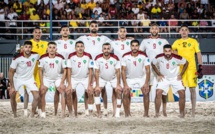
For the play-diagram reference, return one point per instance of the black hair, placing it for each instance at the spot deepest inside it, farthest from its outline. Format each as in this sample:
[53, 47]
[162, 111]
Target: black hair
[64, 26]
[135, 41]
[106, 44]
[27, 42]
[79, 42]
[52, 42]
[95, 22]
[184, 25]
[167, 46]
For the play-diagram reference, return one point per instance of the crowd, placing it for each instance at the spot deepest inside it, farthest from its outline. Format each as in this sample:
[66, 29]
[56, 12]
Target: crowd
[143, 11]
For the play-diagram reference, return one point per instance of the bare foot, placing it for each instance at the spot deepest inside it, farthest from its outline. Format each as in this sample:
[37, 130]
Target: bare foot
[145, 115]
[15, 115]
[156, 115]
[99, 115]
[164, 114]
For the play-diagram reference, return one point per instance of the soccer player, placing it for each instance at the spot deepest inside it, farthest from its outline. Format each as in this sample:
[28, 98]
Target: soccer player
[187, 48]
[39, 46]
[133, 72]
[169, 75]
[107, 69]
[21, 74]
[93, 45]
[52, 71]
[65, 46]
[80, 70]
[153, 46]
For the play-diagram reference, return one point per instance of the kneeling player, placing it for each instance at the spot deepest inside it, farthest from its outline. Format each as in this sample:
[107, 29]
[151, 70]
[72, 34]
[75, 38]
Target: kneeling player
[21, 74]
[107, 69]
[169, 75]
[52, 72]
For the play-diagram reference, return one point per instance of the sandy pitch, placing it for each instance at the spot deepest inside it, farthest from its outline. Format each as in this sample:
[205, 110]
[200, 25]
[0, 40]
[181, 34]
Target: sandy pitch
[204, 122]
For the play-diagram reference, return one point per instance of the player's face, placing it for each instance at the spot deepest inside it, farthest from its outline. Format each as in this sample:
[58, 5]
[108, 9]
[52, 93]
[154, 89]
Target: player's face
[52, 49]
[168, 52]
[37, 34]
[27, 49]
[184, 31]
[94, 28]
[122, 33]
[79, 48]
[154, 30]
[65, 32]
[134, 47]
[106, 49]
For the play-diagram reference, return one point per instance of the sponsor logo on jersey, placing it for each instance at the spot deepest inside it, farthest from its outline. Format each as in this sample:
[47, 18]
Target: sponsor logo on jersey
[206, 87]
[148, 60]
[92, 63]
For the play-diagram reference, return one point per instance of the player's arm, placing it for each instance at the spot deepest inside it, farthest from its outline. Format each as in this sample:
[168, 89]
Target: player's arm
[64, 76]
[90, 77]
[147, 74]
[153, 64]
[69, 72]
[97, 77]
[118, 77]
[124, 76]
[174, 48]
[11, 74]
[155, 69]
[41, 75]
[199, 56]
[184, 68]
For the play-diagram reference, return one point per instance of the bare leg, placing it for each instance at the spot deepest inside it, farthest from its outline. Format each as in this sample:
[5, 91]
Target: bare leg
[158, 101]
[86, 103]
[98, 103]
[104, 97]
[114, 102]
[56, 101]
[35, 102]
[126, 101]
[13, 104]
[26, 99]
[69, 102]
[193, 100]
[63, 105]
[118, 102]
[75, 102]
[181, 102]
[146, 104]
[164, 105]
[90, 102]
[43, 101]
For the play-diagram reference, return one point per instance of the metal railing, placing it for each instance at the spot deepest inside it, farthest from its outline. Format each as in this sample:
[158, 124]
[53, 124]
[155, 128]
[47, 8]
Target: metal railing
[23, 27]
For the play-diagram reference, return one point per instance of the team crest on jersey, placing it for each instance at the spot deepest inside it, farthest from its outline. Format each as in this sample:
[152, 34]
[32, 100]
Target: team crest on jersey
[159, 43]
[33, 59]
[71, 42]
[42, 46]
[206, 87]
[111, 62]
[189, 45]
[98, 39]
[127, 43]
[56, 61]
[173, 63]
[58, 42]
[139, 60]
[65, 63]
[84, 61]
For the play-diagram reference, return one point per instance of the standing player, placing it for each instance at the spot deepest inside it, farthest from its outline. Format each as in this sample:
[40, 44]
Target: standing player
[21, 74]
[80, 70]
[187, 48]
[65, 46]
[39, 46]
[153, 46]
[169, 75]
[133, 64]
[93, 45]
[52, 71]
[107, 69]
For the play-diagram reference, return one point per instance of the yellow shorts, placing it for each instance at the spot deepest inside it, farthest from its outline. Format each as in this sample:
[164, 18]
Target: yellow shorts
[36, 75]
[190, 78]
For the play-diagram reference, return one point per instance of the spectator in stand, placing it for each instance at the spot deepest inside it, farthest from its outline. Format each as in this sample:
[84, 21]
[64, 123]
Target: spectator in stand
[17, 6]
[184, 15]
[108, 24]
[91, 5]
[135, 23]
[145, 23]
[78, 9]
[118, 5]
[189, 8]
[173, 23]
[195, 16]
[2, 17]
[105, 8]
[73, 24]
[40, 8]
[205, 3]
[163, 25]
[181, 9]
[200, 9]
[84, 5]
[101, 19]
[34, 16]
[59, 5]
[12, 16]
[123, 10]
[31, 9]
[112, 12]
[34, 2]
[67, 9]
[3, 86]
[26, 3]
[182, 3]
[156, 11]
[144, 9]
[135, 9]
[47, 10]
[95, 15]
[170, 6]
[203, 24]
[98, 8]
[128, 3]
[71, 4]
[140, 15]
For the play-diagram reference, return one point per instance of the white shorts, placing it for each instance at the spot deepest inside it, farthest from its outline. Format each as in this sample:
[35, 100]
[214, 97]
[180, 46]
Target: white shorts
[175, 84]
[30, 84]
[102, 82]
[75, 82]
[136, 82]
[49, 83]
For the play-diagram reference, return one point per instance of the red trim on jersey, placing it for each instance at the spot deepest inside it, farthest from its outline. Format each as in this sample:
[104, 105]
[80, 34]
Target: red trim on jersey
[142, 53]
[99, 56]
[114, 56]
[19, 55]
[93, 36]
[71, 54]
[160, 55]
[87, 54]
[128, 53]
[59, 55]
[44, 55]
[176, 56]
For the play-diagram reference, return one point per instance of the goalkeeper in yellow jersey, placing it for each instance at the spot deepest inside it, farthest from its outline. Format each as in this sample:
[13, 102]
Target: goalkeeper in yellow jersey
[187, 48]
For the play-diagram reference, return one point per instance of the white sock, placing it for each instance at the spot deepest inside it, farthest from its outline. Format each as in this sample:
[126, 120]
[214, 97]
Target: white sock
[25, 112]
[105, 111]
[39, 112]
[90, 107]
[87, 112]
[118, 101]
[117, 112]
[43, 114]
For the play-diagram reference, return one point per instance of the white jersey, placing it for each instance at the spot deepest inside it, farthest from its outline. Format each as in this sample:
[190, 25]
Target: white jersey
[65, 47]
[135, 65]
[24, 66]
[121, 47]
[52, 67]
[107, 68]
[93, 45]
[169, 68]
[153, 47]
[80, 65]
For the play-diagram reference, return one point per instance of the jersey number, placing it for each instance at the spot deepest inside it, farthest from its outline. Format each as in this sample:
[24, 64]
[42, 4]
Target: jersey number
[65, 46]
[154, 46]
[93, 42]
[135, 63]
[167, 66]
[122, 47]
[51, 65]
[106, 65]
[79, 64]
[28, 64]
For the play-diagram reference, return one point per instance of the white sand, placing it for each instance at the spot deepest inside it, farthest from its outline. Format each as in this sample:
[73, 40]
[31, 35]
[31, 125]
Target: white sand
[204, 122]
